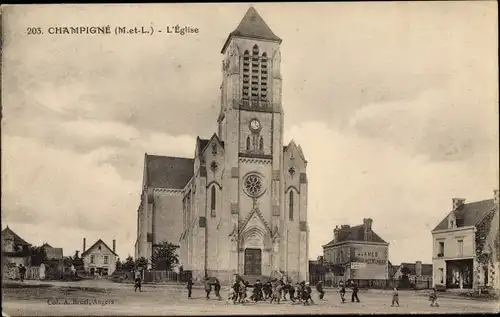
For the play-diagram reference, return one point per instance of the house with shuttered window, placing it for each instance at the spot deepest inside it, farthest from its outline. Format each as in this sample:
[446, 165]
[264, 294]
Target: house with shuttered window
[465, 245]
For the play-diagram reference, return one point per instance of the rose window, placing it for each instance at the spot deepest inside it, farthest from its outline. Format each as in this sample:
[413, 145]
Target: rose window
[253, 185]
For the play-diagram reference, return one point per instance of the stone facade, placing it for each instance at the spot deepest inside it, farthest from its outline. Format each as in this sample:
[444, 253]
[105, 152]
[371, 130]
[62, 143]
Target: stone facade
[464, 252]
[241, 207]
[357, 253]
[99, 259]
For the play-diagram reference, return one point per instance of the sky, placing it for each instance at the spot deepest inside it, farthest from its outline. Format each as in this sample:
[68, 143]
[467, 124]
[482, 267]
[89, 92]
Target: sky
[395, 106]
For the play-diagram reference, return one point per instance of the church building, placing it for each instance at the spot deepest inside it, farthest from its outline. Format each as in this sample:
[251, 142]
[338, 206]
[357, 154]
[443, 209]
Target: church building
[239, 206]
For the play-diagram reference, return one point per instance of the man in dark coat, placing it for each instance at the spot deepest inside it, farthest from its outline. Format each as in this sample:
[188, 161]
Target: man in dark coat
[354, 293]
[190, 286]
[319, 288]
[257, 291]
[217, 289]
[22, 272]
[267, 289]
[291, 291]
[307, 298]
[236, 291]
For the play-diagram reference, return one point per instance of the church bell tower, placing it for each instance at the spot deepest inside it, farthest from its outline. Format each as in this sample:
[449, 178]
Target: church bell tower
[251, 127]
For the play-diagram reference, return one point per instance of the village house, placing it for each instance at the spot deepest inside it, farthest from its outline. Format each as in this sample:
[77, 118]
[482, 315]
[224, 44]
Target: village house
[52, 253]
[358, 253]
[465, 246]
[99, 259]
[15, 250]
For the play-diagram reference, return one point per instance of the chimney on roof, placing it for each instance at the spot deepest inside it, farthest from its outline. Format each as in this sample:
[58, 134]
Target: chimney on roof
[418, 268]
[84, 244]
[336, 233]
[458, 202]
[114, 245]
[367, 225]
[495, 196]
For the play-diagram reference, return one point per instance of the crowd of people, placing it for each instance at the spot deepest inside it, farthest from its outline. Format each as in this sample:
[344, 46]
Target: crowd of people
[277, 290]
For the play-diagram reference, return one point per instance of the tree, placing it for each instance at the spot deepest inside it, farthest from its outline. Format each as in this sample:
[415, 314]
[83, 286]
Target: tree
[404, 280]
[38, 256]
[118, 265]
[67, 261]
[141, 263]
[128, 265]
[76, 256]
[164, 256]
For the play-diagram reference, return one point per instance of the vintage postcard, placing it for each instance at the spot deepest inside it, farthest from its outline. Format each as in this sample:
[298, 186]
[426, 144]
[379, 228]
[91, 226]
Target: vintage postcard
[239, 158]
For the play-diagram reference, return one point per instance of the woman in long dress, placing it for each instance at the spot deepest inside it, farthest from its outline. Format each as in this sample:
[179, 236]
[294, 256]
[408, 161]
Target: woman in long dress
[42, 271]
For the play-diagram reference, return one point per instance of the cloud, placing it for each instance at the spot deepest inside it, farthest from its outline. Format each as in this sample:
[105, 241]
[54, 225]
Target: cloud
[437, 123]
[53, 188]
[352, 177]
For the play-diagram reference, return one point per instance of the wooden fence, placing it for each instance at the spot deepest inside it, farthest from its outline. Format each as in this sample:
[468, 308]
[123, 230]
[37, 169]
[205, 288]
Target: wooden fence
[330, 280]
[154, 276]
[32, 273]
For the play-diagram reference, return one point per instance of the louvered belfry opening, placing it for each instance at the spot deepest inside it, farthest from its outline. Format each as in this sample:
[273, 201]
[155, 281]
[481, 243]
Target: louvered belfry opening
[255, 77]
[246, 75]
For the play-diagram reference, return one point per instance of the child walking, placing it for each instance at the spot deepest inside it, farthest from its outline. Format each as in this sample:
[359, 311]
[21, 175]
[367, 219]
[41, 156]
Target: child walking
[138, 278]
[319, 288]
[208, 287]
[342, 291]
[395, 297]
[190, 286]
[433, 298]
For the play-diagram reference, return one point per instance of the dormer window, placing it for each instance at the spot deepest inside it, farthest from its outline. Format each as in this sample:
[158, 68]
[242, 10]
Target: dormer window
[214, 149]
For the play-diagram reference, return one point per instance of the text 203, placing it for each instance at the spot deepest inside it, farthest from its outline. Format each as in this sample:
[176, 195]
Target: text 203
[34, 31]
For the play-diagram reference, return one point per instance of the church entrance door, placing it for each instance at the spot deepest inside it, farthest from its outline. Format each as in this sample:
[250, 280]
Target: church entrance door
[253, 262]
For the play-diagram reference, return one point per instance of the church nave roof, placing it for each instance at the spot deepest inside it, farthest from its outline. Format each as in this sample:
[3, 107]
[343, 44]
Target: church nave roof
[168, 171]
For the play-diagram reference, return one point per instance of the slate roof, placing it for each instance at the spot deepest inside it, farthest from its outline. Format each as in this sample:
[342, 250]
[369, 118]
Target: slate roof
[426, 268]
[356, 233]
[56, 253]
[470, 213]
[17, 239]
[168, 171]
[100, 240]
[252, 25]
[202, 144]
[392, 268]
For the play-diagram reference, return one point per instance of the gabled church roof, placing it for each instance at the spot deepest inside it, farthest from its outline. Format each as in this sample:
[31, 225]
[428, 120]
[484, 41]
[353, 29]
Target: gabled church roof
[203, 143]
[253, 26]
[168, 171]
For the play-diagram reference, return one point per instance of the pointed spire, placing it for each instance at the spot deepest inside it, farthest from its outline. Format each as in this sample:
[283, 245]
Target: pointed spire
[252, 26]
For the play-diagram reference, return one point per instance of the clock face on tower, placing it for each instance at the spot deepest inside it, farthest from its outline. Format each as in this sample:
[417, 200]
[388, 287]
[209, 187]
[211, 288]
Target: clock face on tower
[254, 125]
